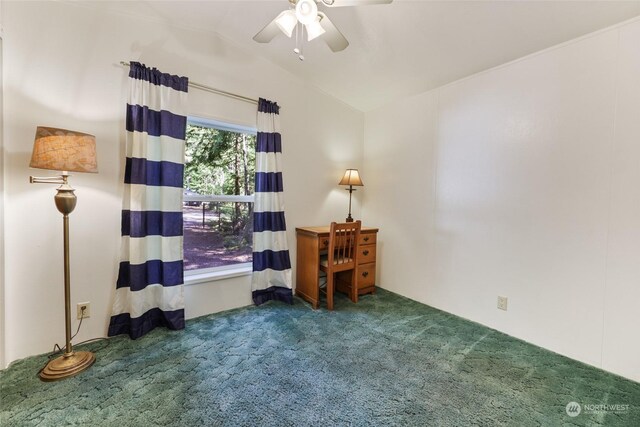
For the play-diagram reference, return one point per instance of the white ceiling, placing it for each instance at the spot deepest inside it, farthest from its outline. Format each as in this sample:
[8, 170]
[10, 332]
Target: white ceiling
[399, 49]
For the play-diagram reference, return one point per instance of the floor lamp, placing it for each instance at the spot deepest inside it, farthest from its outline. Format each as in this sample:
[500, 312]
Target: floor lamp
[66, 151]
[351, 177]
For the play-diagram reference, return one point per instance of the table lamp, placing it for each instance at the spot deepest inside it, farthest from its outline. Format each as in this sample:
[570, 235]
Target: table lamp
[66, 151]
[351, 177]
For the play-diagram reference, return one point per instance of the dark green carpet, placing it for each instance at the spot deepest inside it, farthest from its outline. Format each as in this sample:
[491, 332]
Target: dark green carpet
[384, 361]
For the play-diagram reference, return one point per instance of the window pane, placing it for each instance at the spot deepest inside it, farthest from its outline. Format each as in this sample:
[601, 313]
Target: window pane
[218, 162]
[217, 234]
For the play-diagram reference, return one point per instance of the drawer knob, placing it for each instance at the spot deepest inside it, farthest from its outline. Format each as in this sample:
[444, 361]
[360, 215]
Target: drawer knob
[366, 239]
[365, 273]
[365, 252]
[325, 242]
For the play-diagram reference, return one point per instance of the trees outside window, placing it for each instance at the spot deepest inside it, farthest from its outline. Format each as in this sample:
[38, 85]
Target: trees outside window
[218, 194]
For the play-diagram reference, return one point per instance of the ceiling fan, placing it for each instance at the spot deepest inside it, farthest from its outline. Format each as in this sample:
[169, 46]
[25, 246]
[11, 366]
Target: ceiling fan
[304, 16]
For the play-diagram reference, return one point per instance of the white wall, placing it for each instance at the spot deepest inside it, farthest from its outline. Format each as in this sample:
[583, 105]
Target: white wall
[64, 72]
[522, 182]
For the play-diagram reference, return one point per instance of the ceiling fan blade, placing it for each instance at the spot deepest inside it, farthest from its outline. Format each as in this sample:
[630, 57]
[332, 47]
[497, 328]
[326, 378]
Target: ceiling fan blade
[342, 3]
[267, 34]
[332, 36]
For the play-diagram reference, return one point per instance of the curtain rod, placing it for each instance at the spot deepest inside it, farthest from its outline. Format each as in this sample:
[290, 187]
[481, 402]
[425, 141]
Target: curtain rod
[213, 90]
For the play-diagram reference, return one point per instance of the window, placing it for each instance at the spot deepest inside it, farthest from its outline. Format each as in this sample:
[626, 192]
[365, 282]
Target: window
[218, 196]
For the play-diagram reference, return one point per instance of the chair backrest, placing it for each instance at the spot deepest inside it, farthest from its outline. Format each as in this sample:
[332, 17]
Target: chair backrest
[343, 245]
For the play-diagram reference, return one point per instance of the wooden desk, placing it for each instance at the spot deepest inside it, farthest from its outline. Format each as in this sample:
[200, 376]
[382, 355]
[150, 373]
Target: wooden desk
[311, 242]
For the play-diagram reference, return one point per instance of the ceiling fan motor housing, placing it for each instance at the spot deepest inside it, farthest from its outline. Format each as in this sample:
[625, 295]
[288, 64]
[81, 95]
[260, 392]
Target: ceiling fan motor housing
[306, 11]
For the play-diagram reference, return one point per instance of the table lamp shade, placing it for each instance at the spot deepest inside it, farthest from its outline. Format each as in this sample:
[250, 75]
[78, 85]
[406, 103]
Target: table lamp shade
[351, 177]
[64, 150]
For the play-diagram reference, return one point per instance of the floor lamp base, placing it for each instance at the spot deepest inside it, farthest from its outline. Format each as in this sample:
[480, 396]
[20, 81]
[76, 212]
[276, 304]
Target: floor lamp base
[67, 366]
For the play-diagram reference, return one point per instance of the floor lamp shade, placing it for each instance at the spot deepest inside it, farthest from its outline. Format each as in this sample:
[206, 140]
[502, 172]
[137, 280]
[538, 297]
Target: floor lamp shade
[66, 151]
[351, 178]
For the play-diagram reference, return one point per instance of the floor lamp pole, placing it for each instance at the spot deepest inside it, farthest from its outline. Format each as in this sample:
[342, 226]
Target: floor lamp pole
[67, 285]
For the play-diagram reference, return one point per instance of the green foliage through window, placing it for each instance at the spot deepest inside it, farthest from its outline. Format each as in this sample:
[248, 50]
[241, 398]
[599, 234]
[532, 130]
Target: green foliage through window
[219, 161]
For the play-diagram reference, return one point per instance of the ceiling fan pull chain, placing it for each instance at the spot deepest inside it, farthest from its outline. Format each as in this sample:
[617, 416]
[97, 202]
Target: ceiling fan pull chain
[296, 49]
[301, 56]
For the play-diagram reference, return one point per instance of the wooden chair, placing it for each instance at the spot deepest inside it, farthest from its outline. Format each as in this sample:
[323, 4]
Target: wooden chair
[341, 256]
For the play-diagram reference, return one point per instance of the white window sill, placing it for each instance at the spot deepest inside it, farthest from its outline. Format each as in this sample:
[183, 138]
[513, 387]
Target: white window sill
[212, 276]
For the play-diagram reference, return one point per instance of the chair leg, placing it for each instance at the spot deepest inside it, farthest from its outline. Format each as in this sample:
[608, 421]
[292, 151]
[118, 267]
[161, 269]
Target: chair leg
[329, 291]
[354, 286]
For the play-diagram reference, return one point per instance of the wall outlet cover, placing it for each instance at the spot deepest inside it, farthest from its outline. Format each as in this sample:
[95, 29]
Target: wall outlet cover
[87, 310]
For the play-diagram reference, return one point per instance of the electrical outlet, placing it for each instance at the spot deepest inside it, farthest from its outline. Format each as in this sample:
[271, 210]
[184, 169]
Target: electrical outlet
[502, 303]
[87, 309]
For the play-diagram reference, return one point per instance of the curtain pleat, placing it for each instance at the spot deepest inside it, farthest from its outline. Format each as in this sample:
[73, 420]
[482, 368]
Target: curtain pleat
[271, 263]
[149, 289]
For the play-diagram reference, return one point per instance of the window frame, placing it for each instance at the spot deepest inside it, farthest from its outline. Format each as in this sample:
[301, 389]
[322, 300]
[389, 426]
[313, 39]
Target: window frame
[202, 275]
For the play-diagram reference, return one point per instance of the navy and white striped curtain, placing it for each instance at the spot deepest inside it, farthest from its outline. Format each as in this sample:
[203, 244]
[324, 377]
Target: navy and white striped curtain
[271, 263]
[149, 291]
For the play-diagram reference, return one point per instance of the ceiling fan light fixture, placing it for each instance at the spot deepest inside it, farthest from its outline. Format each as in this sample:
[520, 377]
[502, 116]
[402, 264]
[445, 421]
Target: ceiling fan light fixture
[306, 11]
[314, 29]
[287, 22]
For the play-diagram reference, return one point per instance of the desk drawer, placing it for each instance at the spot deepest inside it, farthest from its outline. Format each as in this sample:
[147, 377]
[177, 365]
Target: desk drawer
[366, 254]
[367, 239]
[323, 244]
[366, 275]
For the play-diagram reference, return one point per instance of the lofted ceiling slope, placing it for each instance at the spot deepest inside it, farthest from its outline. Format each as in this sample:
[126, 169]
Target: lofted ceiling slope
[400, 49]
